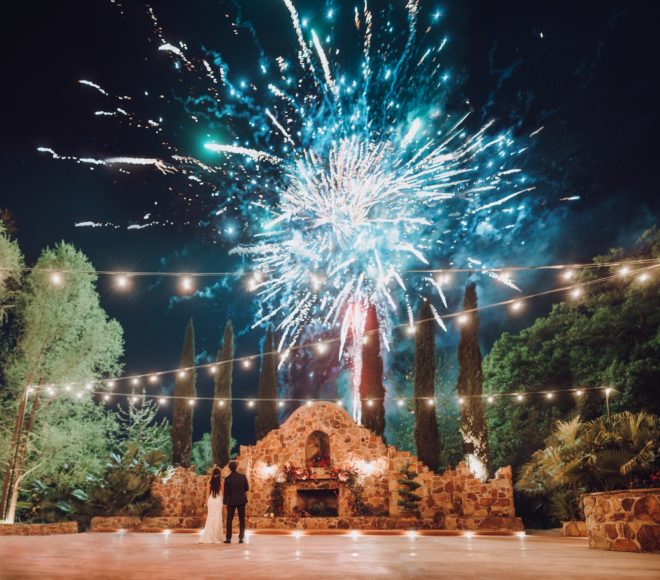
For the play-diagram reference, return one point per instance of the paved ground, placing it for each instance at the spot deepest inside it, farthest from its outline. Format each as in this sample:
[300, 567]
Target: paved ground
[161, 557]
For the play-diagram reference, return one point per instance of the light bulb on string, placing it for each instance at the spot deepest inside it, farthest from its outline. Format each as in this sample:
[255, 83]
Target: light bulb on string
[250, 403]
[401, 402]
[162, 400]
[520, 397]
[340, 403]
[187, 284]
[213, 369]
[430, 402]
[462, 319]
[608, 390]
[461, 401]
[624, 270]
[443, 279]
[181, 374]
[280, 404]
[643, 277]
[67, 388]
[370, 403]
[309, 403]
[410, 329]
[221, 403]
[135, 399]
[135, 382]
[153, 378]
[246, 363]
[568, 274]
[56, 278]
[578, 393]
[490, 399]
[79, 395]
[106, 397]
[110, 384]
[89, 386]
[576, 293]
[516, 305]
[191, 402]
[549, 396]
[50, 391]
[321, 348]
[122, 282]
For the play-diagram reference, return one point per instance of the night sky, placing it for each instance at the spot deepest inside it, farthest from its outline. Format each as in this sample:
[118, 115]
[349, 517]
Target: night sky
[587, 72]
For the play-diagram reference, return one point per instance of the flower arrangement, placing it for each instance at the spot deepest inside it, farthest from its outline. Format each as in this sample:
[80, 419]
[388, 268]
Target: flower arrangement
[291, 473]
[350, 476]
[319, 461]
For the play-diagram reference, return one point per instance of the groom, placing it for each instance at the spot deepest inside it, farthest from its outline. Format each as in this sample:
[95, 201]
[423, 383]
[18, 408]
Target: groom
[236, 485]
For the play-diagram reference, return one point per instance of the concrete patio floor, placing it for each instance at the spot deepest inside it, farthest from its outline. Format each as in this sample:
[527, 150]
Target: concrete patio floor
[162, 556]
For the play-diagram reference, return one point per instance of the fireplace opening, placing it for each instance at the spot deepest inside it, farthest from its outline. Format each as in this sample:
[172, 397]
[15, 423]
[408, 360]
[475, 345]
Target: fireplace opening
[316, 503]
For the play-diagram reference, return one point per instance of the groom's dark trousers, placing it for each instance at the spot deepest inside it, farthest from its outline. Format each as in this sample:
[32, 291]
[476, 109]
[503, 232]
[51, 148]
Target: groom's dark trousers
[235, 498]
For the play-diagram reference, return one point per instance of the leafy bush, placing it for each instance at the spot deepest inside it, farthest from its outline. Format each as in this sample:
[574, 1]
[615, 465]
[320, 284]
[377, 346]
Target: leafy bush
[599, 455]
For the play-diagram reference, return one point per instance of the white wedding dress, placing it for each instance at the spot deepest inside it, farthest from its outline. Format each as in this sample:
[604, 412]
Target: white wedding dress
[212, 533]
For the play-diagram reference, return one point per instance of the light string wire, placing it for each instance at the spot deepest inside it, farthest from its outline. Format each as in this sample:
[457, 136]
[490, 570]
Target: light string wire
[213, 366]
[244, 273]
[519, 395]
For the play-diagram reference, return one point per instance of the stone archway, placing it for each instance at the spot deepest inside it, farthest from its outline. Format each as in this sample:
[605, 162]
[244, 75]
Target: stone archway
[317, 449]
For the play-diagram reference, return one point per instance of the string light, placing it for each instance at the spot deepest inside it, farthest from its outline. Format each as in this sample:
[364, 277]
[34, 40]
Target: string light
[79, 395]
[461, 401]
[191, 402]
[624, 270]
[121, 281]
[490, 398]
[410, 330]
[549, 396]
[181, 374]
[462, 319]
[568, 274]
[250, 403]
[110, 384]
[608, 390]
[153, 378]
[443, 279]
[401, 402]
[135, 382]
[213, 369]
[339, 403]
[520, 397]
[430, 402]
[135, 399]
[280, 404]
[578, 393]
[247, 363]
[89, 386]
[106, 397]
[162, 400]
[308, 403]
[56, 279]
[643, 277]
[516, 305]
[187, 284]
[321, 347]
[576, 293]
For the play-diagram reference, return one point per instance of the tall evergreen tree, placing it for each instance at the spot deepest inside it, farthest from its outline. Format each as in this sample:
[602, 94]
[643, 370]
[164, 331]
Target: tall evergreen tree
[182, 410]
[470, 387]
[221, 417]
[372, 392]
[266, 419]
[427, 439]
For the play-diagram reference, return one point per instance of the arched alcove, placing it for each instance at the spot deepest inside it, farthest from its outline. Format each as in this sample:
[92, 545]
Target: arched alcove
[317, 449]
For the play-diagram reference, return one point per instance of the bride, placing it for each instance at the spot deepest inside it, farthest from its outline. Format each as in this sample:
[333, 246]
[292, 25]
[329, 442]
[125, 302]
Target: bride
[212, 533]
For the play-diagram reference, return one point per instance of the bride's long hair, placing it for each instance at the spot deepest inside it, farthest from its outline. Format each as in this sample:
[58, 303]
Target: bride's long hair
[215, 482]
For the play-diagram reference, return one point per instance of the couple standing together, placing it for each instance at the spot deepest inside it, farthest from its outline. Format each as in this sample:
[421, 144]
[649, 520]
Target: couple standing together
[231, 492]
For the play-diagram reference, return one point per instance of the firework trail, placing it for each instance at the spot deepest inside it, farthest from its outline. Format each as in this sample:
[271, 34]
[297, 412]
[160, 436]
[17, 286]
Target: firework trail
[344, 182]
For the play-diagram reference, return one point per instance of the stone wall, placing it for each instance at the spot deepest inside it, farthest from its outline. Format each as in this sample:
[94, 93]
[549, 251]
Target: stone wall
[182, 493]
[38, 529]
[452, 500]
[626, 521]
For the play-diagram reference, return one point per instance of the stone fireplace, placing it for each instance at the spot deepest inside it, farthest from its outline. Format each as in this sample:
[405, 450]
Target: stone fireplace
[321, 502]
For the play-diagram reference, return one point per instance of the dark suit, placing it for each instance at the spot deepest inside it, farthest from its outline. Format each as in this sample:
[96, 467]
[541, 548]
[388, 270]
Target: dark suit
[236, 485]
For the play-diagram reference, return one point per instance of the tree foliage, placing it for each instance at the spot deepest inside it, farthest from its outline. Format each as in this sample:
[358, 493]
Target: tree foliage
[182, 410]
[408, 500]
[11, 262]
[372, 391]
[470, 386]
[610, 336]
[587, 456]
[266, 418]
[427, 440]
[139, 427]
[221, 417]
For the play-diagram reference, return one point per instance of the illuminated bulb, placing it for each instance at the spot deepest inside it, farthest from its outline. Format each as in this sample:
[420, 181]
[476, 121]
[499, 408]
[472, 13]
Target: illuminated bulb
[430, 402]
[321, 348]
[340, 404]
[578, 393]
[516, 305]
[444, 279]
[162, 400]
[181, 374]
[187, 284]
[400, 402]
[576, 292]
[412, 533]
[122, 281]
[643, 277]
[370, 403]
[110, 384]
[549, 395]
[106, 398]
[280, 403]
[410, 330]
[247, 363]
[135, 398]
[251, 403]
[297, 534]
[608, 390]
[624, 270]
[89, 386]
[213, 369]
[490, 398]
[309, 403]
[191, 402]
[355, 534]
[79, 395]
[568, 274]
[135, 382]
[153, 378]
[520, 397]
[50, 391]
[520, 534]
[67, 388]
[469, 535]
[462, 319]
[504, 276]
[221, 403]
[56, 279]
[461, 401]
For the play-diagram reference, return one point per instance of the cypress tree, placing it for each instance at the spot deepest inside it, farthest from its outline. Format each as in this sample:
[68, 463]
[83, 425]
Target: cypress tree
[470, 386]
[182, 410]
[372, 392]
[427, 439]
[266, 419]
[221, 417]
